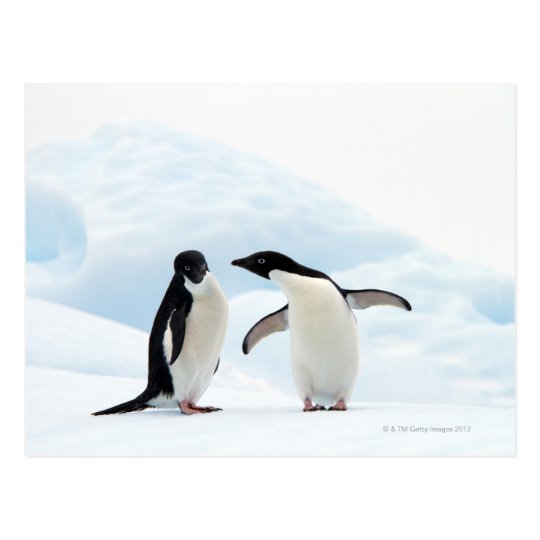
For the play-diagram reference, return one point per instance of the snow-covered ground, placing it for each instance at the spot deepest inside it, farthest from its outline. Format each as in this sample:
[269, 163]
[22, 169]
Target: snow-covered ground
[253, 423]
[74, 360]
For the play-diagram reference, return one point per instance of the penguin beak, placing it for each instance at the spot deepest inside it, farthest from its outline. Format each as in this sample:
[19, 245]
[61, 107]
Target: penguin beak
[249, 264]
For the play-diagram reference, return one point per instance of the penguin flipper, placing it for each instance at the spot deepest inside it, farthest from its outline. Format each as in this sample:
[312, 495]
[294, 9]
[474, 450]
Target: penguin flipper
[374, 297]
[275, 322]
[177, 324]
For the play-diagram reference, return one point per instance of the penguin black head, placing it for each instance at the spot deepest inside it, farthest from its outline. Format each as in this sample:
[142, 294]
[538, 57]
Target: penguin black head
[263, 262]
[191, 265]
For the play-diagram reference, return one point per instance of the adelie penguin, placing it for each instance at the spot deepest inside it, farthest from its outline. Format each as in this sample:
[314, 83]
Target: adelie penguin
[185, 341]
[324, 340]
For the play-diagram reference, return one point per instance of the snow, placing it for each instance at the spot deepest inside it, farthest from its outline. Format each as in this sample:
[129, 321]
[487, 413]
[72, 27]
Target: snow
[419, 356]
[105, 218]
[146, 193]
[64, 338]
[262, 423]
[73, 363]
[56, 235]
[142, 193]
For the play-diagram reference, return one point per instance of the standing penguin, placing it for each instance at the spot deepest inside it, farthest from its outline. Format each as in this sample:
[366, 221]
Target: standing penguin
[324, 341]
[185, 341]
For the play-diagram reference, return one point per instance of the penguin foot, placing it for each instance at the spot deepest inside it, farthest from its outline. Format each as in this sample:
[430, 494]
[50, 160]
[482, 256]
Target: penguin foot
[309, 406]
[339, 406]
[205, 409]
[191, 408]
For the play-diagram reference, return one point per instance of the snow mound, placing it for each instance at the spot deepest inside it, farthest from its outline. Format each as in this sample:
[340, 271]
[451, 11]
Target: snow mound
[55, 230]
[148, 193]
[60, 337]
[63, 338]
[438, 285]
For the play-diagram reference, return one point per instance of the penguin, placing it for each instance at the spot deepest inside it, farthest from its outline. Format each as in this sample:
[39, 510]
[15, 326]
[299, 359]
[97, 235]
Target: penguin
[324, 340]
[185, 340]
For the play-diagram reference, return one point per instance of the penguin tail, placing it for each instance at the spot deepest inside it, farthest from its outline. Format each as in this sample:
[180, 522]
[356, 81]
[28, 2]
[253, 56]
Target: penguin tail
[129, 406]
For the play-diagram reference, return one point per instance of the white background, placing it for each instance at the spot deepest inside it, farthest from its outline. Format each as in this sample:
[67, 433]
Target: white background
[411, 41]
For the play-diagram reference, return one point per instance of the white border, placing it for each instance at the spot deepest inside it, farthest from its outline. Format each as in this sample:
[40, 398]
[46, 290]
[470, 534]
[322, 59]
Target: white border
[204, 41]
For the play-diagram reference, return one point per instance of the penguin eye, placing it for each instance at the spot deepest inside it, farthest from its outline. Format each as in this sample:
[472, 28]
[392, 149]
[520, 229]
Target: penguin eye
[261, 261]
[187, 268]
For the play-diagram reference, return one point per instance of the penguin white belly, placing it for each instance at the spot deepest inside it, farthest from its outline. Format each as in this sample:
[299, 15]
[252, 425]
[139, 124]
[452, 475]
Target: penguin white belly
[206, 325]
[324, 340]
